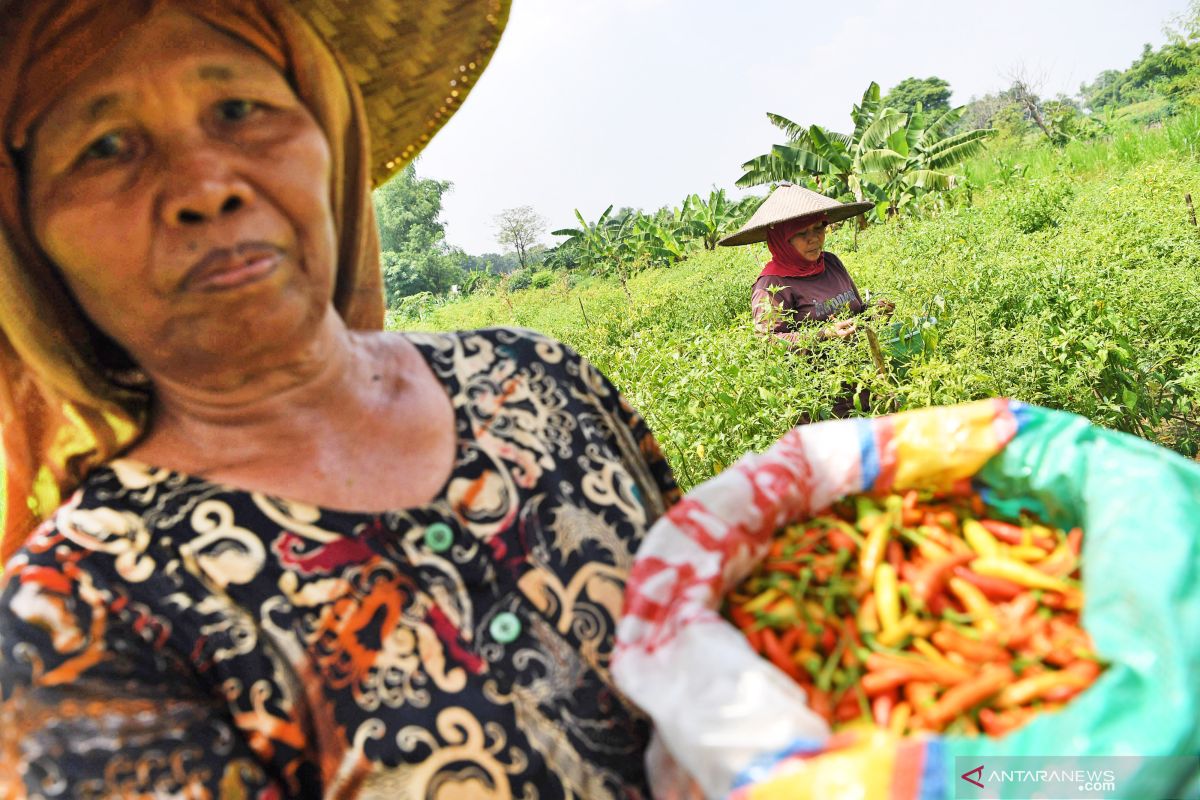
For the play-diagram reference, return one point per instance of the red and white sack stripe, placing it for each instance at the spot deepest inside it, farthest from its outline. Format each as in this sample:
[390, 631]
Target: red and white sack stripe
[733, 705]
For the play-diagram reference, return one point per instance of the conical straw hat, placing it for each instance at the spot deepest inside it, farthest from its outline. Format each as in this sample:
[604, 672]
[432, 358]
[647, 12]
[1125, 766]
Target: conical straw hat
[414, 61]
[788, 202]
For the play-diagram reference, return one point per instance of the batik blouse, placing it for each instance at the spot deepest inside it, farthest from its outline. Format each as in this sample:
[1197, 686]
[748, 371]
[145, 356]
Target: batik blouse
[167, 636]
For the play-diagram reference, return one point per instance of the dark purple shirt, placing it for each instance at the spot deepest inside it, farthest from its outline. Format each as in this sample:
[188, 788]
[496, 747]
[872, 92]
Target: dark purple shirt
[800, 300]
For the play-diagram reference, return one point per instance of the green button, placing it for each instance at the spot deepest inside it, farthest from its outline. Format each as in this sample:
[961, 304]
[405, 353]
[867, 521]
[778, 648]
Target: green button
[505, 627]
[439, 537]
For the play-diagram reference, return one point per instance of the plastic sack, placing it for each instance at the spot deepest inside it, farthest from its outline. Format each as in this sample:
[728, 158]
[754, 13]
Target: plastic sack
[733, 722]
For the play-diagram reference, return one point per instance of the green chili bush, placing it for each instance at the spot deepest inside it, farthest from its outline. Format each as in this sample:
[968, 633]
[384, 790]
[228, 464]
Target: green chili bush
[1095, 309]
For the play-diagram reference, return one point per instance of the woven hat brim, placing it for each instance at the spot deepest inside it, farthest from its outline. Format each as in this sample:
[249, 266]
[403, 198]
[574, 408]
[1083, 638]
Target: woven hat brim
[758, 233]
[415, 61]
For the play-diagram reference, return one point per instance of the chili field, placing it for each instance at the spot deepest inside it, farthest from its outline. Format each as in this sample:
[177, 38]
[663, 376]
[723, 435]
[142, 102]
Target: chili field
[1074, 285]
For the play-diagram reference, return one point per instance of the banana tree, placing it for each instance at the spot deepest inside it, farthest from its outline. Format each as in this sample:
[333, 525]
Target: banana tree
[594, 242]
[890, 157]
[927, 155]
[710, 221]
[841, 165]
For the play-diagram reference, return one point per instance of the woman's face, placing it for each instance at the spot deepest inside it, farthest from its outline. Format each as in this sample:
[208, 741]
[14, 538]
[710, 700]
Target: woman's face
[810, 241]
[182, 190]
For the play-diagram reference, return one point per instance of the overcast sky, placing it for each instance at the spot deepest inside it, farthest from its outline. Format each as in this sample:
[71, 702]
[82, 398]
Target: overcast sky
[641, 102]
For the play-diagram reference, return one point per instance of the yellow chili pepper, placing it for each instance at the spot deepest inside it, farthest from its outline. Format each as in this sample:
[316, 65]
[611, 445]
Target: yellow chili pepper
[901, 714]
[893, 636]
[868, 621]
[876, 543]
[1019, 572]
[929, 548]
[976, 603]
[1026, 552]
[980, 538]
[923, 647]
[1029, 689]
[761, 602]
[887, 596]
[1062, 561]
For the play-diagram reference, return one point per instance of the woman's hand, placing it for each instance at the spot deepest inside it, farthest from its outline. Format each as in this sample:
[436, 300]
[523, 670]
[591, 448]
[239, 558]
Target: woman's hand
[885, 306]
[840, 329]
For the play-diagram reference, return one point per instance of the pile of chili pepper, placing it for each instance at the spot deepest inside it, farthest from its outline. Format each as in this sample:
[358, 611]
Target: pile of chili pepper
[917, 612]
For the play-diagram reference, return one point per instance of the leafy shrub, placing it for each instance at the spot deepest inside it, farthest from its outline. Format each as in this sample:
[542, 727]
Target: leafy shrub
[519, 279]
[542, 279]
[1037, 205]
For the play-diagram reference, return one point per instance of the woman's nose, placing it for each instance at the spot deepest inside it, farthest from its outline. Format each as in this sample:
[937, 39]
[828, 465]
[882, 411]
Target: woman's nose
[203, 188]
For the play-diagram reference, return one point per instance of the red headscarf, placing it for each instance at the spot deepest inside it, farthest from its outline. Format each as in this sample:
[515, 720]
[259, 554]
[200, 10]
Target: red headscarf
[785, 261]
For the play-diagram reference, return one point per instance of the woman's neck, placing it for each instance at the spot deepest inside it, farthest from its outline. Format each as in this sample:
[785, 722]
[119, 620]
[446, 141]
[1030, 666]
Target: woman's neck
[238, 414]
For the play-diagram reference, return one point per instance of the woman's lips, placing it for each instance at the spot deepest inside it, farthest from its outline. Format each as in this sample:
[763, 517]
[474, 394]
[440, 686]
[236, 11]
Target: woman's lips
[225, 269]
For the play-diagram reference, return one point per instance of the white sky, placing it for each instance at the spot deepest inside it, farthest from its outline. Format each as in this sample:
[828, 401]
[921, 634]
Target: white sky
[641, 102]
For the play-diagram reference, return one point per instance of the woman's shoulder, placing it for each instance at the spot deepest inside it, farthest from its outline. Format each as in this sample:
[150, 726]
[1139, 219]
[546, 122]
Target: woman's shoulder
[103, 519]
[466, 351]
[831, 260]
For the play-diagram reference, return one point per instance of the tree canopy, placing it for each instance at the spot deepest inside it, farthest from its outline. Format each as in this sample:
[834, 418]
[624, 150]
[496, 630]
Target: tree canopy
[412, 236]
[933, 94]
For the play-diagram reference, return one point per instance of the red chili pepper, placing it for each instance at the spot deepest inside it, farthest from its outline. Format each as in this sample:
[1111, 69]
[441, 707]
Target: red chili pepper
[840, 540]
[828, 638]
[789, 641]
[773, 650]
[995, 589]
[847, 707]
[932, 579]
[1075, 540]
[1014, 534]
[789, 567]
[910, 514]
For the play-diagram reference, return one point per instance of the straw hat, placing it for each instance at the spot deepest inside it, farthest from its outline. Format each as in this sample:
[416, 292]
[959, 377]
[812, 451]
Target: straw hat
[414, 61]
[787, 202]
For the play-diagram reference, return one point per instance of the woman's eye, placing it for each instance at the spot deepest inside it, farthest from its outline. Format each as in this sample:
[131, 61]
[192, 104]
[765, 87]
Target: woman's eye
[106, 147]
[234, 110]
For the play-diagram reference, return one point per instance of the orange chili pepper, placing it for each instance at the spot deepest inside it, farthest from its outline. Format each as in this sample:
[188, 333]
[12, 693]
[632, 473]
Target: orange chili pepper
[968, 694]
[876, 683]
[917, 668]
[920, 694]
[931, 580]
[998, 723]
[973, 649]
[1075, 540]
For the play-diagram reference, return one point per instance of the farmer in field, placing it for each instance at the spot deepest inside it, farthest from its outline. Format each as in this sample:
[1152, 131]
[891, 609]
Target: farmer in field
[802, 284]
[278, 552]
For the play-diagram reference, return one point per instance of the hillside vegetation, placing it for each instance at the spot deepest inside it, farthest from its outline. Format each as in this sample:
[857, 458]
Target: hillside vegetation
[1070, 280]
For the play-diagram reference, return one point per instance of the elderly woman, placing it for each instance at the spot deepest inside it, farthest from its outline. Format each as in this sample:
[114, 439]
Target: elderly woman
[297, 557]
[801, 284]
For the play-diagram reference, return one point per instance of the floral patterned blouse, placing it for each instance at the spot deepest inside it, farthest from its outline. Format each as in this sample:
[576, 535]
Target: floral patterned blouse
[166, 636]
